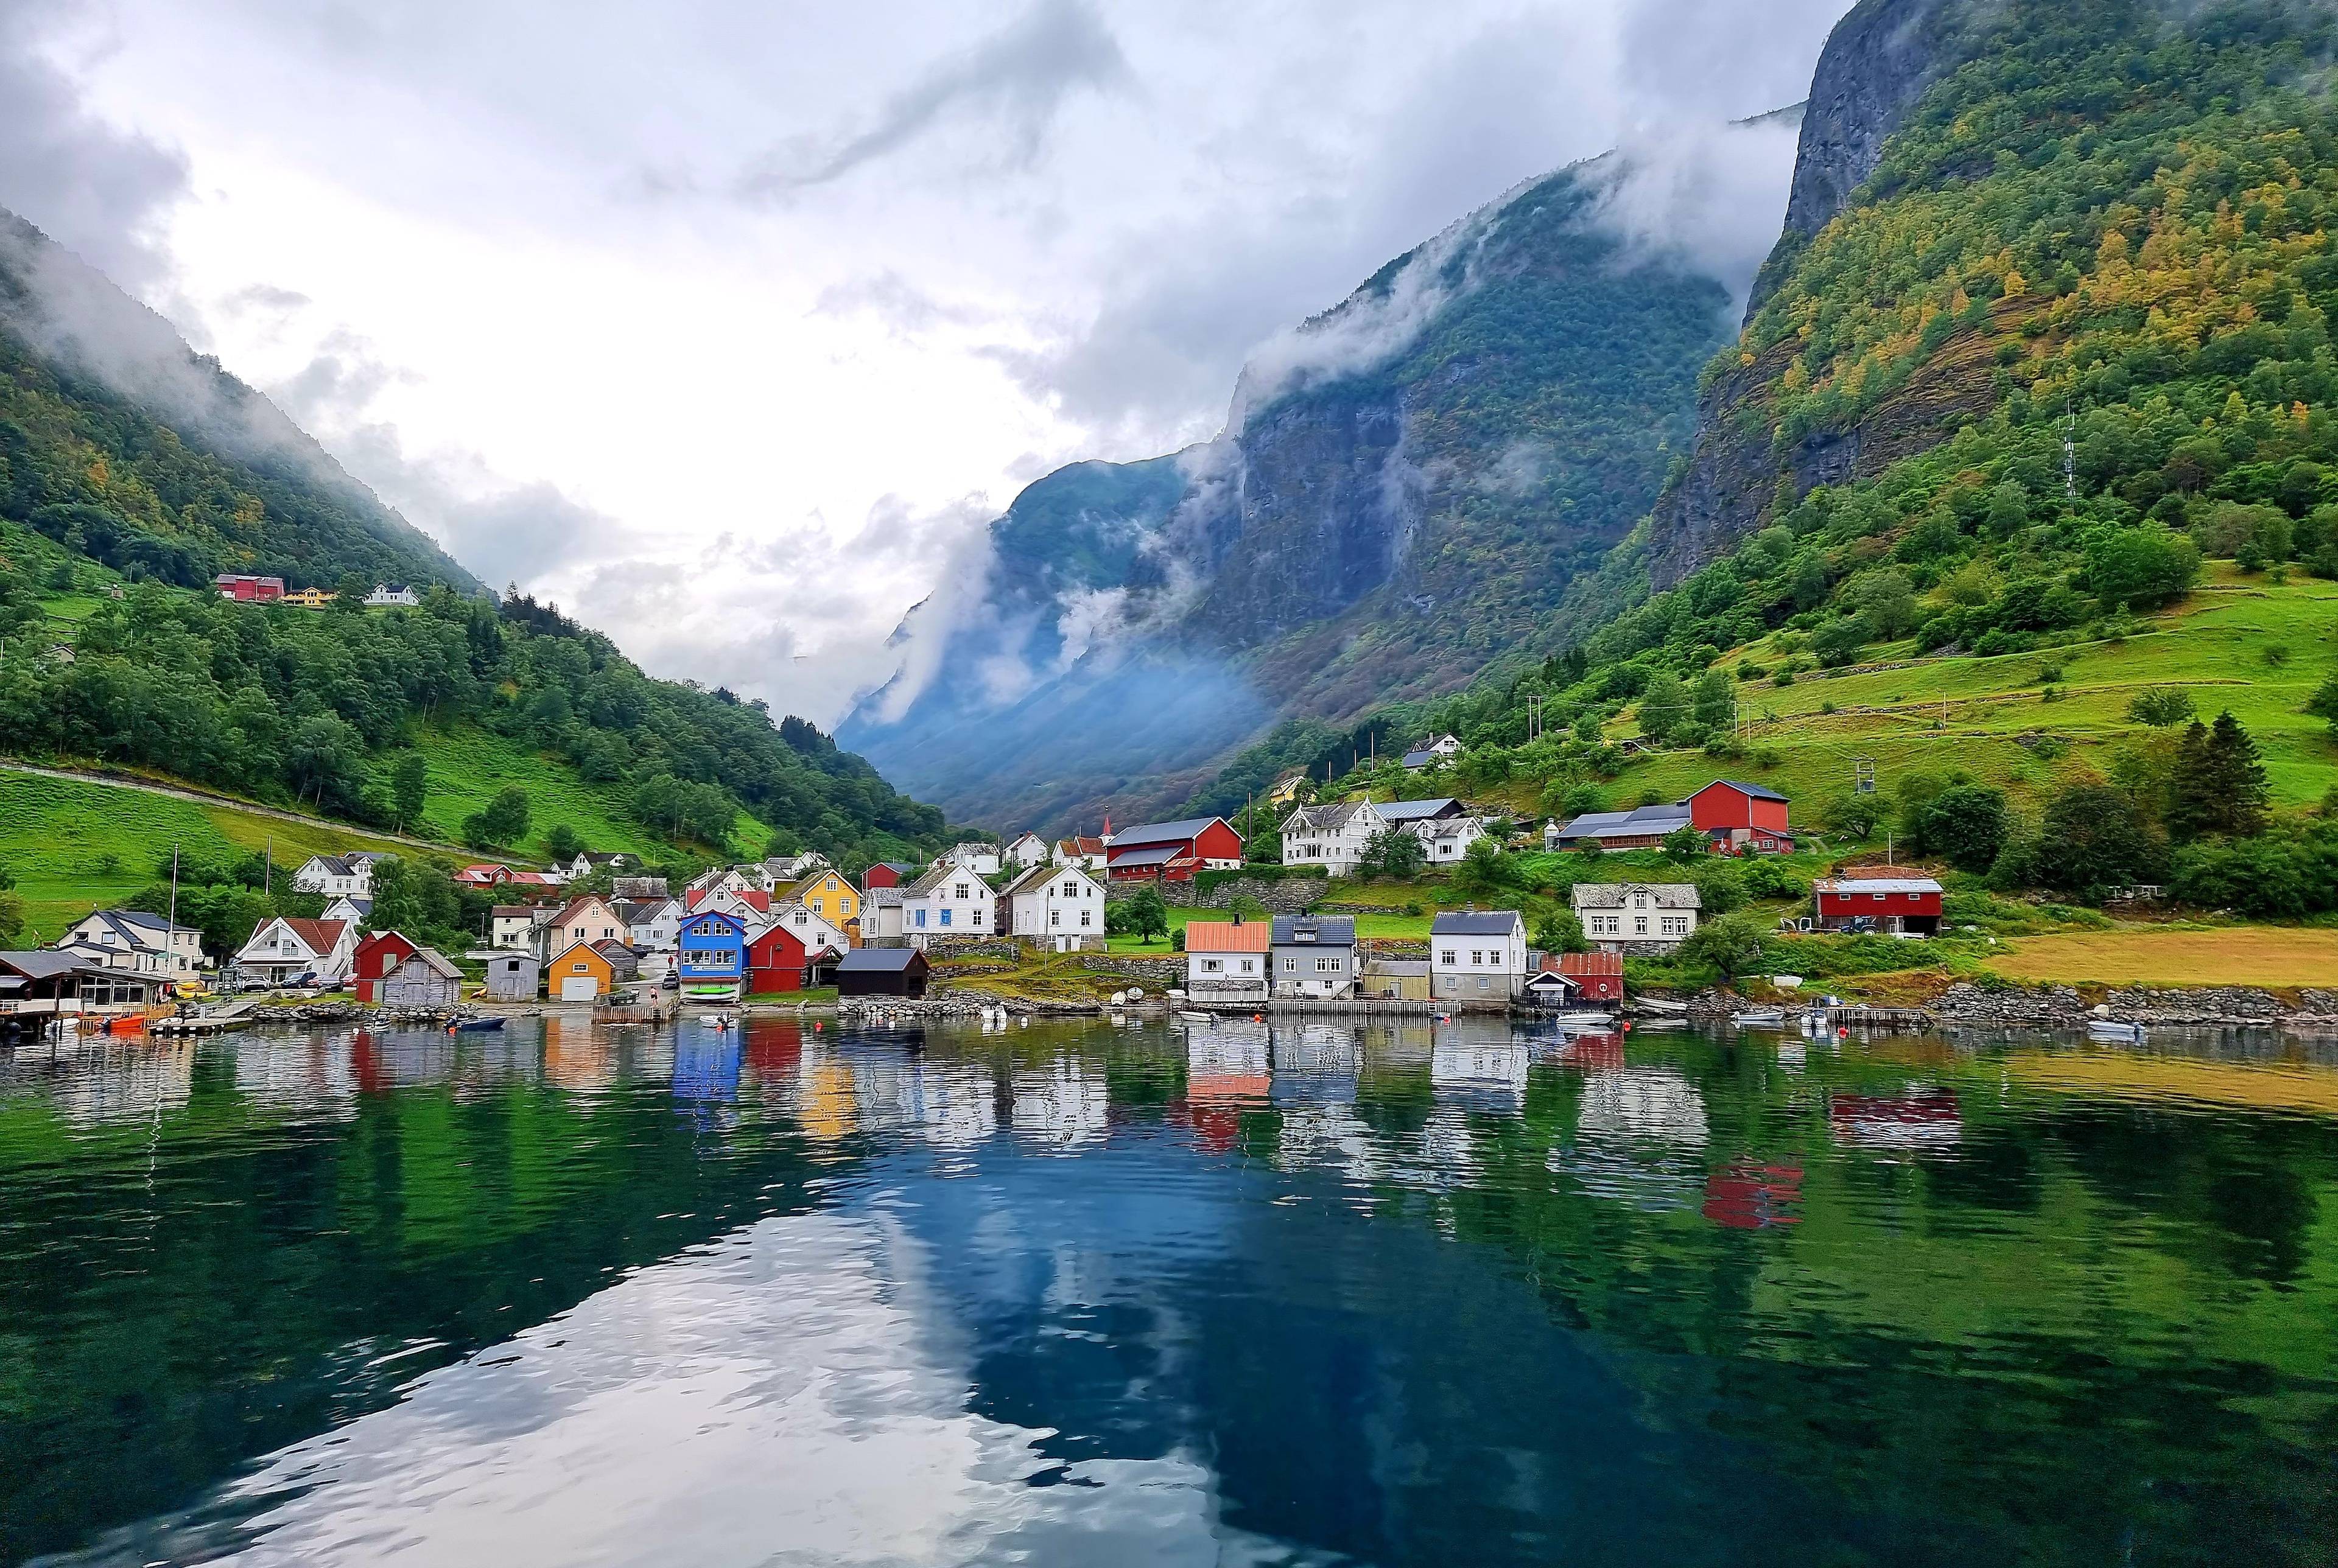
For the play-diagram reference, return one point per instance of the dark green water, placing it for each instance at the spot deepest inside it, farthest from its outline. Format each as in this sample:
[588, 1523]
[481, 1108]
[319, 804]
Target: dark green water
[1100, 1296]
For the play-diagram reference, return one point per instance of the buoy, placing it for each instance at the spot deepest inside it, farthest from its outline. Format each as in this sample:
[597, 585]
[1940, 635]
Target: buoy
[815, 1026]
[1842, 1034]
[1627, 1025]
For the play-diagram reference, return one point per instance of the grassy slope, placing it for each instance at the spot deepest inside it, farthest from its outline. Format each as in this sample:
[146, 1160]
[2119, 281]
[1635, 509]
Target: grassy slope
[56, 836]
[468, 765]
[2212, 645]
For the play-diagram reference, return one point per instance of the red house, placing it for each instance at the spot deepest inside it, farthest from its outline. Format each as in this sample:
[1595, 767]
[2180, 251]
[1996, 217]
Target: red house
[1741, 818]
[247, 588]
[377, 956]
[1173, 851]
[885, 874]
[753, 898]
[777, 961]
[486, 874]
[1910, 904]
[1597, 976]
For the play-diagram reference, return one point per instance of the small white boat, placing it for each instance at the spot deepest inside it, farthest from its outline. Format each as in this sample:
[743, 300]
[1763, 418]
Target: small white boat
[1659, 1005]
[1758, 1018]
[1192, 1017]
[1583, 1019]
[2110, 1029]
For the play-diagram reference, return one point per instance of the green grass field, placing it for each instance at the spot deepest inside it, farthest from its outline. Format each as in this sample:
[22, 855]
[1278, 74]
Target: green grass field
[468, 765]
[2239, 641]
[1392, 925]
[76, 847]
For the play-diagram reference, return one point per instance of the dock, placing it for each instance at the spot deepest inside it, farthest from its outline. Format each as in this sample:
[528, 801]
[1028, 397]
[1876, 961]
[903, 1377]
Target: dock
[233, 1014]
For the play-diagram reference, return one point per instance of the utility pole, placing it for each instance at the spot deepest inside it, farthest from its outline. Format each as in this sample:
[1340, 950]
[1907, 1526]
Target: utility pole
[268, 867]
[175, 890]
[2069, 450]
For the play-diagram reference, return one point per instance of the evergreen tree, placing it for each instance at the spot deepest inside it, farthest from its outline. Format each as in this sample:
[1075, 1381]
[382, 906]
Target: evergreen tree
[2217, 785]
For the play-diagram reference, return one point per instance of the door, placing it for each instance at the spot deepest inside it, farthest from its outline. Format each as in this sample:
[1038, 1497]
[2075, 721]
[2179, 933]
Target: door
[578, 987]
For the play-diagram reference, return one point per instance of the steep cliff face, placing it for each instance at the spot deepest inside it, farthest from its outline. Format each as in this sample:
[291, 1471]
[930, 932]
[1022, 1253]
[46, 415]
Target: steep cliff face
[1406, 484]
[1876, 64]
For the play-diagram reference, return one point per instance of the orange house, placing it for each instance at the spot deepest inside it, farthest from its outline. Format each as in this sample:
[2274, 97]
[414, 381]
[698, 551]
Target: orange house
[582, 973]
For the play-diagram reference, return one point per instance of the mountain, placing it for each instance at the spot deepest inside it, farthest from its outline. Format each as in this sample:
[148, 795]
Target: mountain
[1406, 486]
[132, 469]
[167, 465]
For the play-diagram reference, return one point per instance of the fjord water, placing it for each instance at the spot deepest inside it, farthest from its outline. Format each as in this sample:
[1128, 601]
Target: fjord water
[1101, 1294]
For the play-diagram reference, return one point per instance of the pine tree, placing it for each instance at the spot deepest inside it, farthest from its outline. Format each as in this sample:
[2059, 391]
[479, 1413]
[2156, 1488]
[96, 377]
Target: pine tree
[2217, 785]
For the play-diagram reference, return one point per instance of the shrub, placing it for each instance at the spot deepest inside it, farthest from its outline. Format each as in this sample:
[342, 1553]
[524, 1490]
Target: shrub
[2161, 706]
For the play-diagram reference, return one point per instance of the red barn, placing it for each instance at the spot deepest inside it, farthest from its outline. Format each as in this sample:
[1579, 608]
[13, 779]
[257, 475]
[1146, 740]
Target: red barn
[1741, 818]
[777, 961]
[1596, 977]
[377, 956]
[1173, 851]
[1893, 903]
[885, 874]
[249, 589]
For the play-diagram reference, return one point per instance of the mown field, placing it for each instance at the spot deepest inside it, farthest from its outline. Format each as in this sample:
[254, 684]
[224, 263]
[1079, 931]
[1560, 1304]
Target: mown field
[2240, 641]
[73, 847]
[2240, 955]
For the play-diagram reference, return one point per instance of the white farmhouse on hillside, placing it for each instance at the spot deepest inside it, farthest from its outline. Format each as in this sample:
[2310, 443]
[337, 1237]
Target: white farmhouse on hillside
[1333, 837]
[951, 900]
[338, 875]
[1619, 915]
[1028, 849]
[982, 859]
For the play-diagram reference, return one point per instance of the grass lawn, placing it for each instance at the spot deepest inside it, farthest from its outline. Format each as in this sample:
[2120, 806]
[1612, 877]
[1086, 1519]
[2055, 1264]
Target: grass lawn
[2239, 642]
[468, 765]
[2236, 956]
[76, 847]
[794, 998]
[1390, 924]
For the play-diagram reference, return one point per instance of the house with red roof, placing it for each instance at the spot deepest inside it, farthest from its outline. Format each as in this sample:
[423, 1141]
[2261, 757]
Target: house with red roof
[485, 874]
[283, 951]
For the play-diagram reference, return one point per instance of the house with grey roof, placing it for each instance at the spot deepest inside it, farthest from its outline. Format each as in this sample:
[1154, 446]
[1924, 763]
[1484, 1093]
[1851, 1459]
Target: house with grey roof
[1314, 956]
[1647, 918]
[1642, 828]
[136, 940]
[1478, 955]
[1333, 837]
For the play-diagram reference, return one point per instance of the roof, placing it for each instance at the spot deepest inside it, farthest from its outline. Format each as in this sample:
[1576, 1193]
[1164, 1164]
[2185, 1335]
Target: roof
[604, 857]
[878, 960]
[1329, 819]
[1160, 855]
[1149, 833]
[1477, 923]
[1418, 810]
[1877, 884]
[1314, 930]
[569, 910]
[1755, 790]
[321, 935]
[939, 873]
[137, 925]
[513, 911]
[616, 952]
[881, 898]
[1226, 937]
[695, 916]
[1420, 759]
[42, 965]
[1644, 821]
[1395, 968]
[1611, 895]
[1033, 880]
[1081, 845]
[437, 963]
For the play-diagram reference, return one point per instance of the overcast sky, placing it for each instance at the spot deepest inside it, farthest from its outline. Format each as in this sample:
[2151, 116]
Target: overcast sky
[723, 323]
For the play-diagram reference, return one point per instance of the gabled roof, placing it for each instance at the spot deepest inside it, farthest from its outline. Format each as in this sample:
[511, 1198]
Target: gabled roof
[1612, 895]
[42, 965]
[616, 952]
[1755, 790]
[1418, 810]
[576, 906]
[941, 871]
[1420, 759]
[1159, 855]
[1226, 937]
[879, 960]
[321, 935]
[1080, 845]
[1477, 923]
[1149, 833]
[882, 898]
[430, 958]
[1642, 821]
[1840, 885]
[1315, 930]
[695, 916]
[1033, 880]
[1329, 819]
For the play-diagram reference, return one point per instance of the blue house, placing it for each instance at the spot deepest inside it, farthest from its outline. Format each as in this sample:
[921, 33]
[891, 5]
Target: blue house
[714, 959]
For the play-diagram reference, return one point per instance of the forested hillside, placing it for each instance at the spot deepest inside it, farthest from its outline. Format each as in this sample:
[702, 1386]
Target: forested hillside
[2104, 223]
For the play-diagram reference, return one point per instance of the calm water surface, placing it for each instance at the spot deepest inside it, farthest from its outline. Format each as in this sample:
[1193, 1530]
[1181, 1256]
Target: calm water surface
[1096, 1295]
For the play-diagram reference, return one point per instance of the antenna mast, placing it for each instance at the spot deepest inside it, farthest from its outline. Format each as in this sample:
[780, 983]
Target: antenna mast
[2069, 450]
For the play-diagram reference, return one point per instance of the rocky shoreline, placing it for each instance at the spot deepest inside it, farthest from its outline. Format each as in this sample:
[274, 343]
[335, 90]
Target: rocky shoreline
[2066, 1008]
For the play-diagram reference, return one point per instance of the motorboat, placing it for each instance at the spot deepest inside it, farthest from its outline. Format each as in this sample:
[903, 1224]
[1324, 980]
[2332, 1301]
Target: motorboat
[1758, 1018]
[1192, 1017]
[2111, 1029]
[1583, 1019]
[477, 1025]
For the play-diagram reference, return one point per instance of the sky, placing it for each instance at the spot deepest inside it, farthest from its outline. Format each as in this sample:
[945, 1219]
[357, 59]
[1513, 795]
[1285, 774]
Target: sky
[728, 326]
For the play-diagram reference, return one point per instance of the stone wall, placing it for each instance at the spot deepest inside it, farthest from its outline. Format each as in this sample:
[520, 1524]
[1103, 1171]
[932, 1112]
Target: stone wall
[2062, 1006]
[940, 947]
[1280, 895]
[1165, 970]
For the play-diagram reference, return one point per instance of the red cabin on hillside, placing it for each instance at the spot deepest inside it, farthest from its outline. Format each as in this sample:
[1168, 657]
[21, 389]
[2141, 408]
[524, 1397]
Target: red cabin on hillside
[777, 961]
[251, 590]
[1173, 851]
[1741, 818]
[377, 956]
[1893, 903]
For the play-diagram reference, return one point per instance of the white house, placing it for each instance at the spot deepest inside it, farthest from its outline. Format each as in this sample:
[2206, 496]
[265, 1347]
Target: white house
[590, 861]
[1331, 835]
[951, 900]
[1429, 753]
[1088, 853]
[1060, 907]
[349, 908]
[780, 868]
[1028, 849]
[1658, 916]
[1477, 956]
[982, 859]
[1446, 839]
[719, 879]
[587, 919]
[1227, 960]
[882, 912]
[652, 925]
[813, 930]
[388, 594]
[135, 940]
[511, 927]
[283, 950]
[337, 876]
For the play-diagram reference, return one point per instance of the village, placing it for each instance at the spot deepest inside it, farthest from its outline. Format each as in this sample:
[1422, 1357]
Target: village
[603, 932]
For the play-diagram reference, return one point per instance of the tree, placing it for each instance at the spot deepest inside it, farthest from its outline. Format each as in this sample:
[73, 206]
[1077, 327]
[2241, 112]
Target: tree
[2323, 703]
[1148, 913]
[1967, 824]
[2160, 707]
[2092, 837]
[1732, 943]
[503, 823]
[1683, 845]
[1560, 931]
[1394, 851]
[560, 844]
[1852, 814]
[2139, 567]
[408, 783]
[416, 898]
[1720, 886]
[1484, 871]
[1714, 702]
[1838, 641]
[1665, 705]
[1886, 601]
[2217, 785]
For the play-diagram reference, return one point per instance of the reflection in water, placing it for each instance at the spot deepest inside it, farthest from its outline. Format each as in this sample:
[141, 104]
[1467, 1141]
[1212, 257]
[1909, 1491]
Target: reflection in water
[1314, 1291]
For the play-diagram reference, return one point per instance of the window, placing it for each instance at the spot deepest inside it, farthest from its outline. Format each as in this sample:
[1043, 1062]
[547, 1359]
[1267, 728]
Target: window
[1326, 965]
[1639, 925]
[1676, 925]
[1291, 966]
[1475, 957]
[1211, 966]
[1055, 916]
[921, 916]
[1450, 956]
[1083, 919]
[961, 891]
[1249, 965]
[946, 917]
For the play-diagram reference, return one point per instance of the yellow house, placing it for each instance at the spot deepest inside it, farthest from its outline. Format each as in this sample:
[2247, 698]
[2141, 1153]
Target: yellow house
[828, 895]
[309, 598]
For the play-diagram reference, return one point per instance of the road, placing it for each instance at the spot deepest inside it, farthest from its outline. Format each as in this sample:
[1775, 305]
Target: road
[179, 792]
